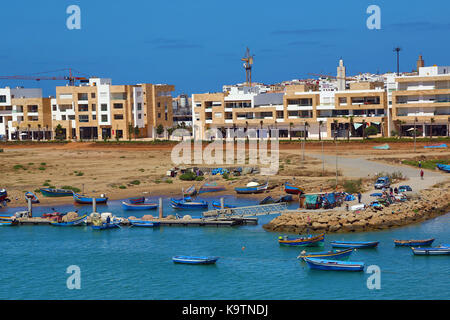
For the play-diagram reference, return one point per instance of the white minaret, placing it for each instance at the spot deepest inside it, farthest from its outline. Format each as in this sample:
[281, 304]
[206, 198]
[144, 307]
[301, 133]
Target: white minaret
[341, 75]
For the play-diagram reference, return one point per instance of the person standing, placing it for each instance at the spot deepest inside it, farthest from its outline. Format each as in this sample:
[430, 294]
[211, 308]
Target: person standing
[359, 197]
[421, 174]
[420, 164]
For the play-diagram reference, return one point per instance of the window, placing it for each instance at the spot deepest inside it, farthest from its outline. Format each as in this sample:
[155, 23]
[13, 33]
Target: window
[82, 96]
[83, 107]
[71, 117]
[104, 107]
[93, 95]
[104, 118]
[32, 108]
[65, 96]
[159, 115]
[55, 107]
[139, 106]
[139, 116]
[118, 117]
[63, 117]
[165, 116]
[1, 119]
[83, 118]
[2, 98]
[118, 105]
[159, 104]
[119, 96]
[94, 107]
[94, 117]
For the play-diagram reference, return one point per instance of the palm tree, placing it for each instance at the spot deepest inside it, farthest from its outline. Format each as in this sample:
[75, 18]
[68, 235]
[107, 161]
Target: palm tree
[17, 133]
[431, 127]
[39, 132]
[290, 130]
[320, 127]
[28, 131]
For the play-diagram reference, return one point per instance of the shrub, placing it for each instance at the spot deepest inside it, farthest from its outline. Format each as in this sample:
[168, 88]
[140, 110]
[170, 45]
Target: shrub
[188, 176]
[135, 182]
[41, 168]
[199, 178]
[169, 181]
[353, 186]
[19, 166]
[122, 187]
[79, 174]
[43, 164]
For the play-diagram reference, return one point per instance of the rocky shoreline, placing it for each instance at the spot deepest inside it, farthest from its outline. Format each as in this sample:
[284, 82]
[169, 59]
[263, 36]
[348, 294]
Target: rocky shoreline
[427, 204]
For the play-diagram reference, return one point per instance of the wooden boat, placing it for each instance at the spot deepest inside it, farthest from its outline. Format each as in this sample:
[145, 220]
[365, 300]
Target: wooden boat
[252, 188]
[194, 260]
[211, 187]
[267, 200]
[139, 206]
[309, 241]
[334, 265]
[216, 205]
[413, 243]
[32, 196]
[334, 254]
[191, 191]
[136, 200]
[144, 224]
[286, 198]
[47, 192]
[431, 251]
[354, 244]
[443, 167]
[3, 195]
[291, 189]
[81, 199]
[105, 226]
[8, 223]
[78, 222]
[187, 203]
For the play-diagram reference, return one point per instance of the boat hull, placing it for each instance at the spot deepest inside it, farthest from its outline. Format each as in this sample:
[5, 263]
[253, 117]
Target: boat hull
[194, 260]
[250, 190]
[216, 205]
[291, 189]
[358, 245]
[413, 243]
[326, 255]
[144, 224]
[79, 222]
[105, 226]
[139, 206]
[47, 192]
[88, 200]
[334, 265]
[183, 204]
[439, 251]
[303, 242]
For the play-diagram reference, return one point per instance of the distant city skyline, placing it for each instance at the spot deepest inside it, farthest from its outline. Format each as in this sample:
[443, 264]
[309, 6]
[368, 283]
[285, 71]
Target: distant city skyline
[197, 46]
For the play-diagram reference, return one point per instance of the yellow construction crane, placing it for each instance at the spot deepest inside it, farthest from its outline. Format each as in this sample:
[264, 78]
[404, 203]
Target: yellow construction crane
[248, 62]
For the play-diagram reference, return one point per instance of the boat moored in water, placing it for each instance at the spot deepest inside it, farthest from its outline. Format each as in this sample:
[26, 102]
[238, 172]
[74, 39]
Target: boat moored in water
[252, 187]
[32, 196]
[144, 223]
[216, 205]
[82, 199]
[292, 189]
[354, 244]
[78, 222]
[437, 251]
[308, 241]
[136, 200]
[194, 259]
[48, 192]
[139, 206]
[334, 265]
[334, 254]
[413, 243]
[105, 226]
[187, 203]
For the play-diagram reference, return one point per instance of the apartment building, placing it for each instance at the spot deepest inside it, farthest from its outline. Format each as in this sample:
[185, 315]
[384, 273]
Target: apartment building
[422, 102]
[24, 114]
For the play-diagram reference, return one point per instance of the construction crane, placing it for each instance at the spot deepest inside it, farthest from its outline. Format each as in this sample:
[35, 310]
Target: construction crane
[248, 62]
[36, 77]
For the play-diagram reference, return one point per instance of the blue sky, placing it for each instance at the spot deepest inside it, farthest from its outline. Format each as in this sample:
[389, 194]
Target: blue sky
[197, 45]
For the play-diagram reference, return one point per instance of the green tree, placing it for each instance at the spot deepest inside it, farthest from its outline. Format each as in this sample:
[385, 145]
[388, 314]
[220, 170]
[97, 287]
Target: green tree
[371, 131]
[159, 130]
[59, 132]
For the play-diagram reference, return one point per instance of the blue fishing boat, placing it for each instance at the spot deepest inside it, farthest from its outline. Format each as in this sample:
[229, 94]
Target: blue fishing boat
[105, 226]
[194, 260]
[144, 223]
[48, 192]
[309, 241]
[443, 167]
[211, 187]
[335, 254]
[267, 200]
[413, 243]
[139, 206]
[292, 189]
[32, 196]
[442, 250]
[286, 198]
[8, 223]
[216, 205]
[81, 199]
[78, 222]
[334, 265]
[136, 200]
[187, 203]
[354, 244]
[252, 187]
[3, 195]
[191, 191]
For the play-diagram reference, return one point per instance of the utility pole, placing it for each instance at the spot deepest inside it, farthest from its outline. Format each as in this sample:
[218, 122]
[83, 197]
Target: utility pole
[335, 141]
[415, 121]
[398, 49]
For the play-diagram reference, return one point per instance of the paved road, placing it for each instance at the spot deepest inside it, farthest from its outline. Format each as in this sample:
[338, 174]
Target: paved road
[361, 167]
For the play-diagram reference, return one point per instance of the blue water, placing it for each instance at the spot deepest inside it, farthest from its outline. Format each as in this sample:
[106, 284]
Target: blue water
[135, 263]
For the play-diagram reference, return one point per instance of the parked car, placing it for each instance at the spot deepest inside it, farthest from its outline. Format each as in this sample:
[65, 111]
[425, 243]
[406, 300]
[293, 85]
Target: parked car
[382, 182]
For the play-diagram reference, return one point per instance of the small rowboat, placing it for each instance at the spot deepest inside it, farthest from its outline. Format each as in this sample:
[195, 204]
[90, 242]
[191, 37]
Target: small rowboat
[32, 196]
[267, 200]
[334, 254]
[334, 265]
[187, 203]
[47, 192]
[78, 222]
[216, 205]
[136, 200]
[250, 188]
[309, 241]
[413, 243]
[431, 251]
[105, 226]
[194, 260]
[291, 189]
[286, 198]
[211, 187]
[191, 191]
[145, 224]
[81, 199]
[354, 244]
[139, 206]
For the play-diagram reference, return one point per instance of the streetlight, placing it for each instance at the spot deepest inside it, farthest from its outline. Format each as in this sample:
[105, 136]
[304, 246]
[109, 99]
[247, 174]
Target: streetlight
[415, 121]
[398, 49]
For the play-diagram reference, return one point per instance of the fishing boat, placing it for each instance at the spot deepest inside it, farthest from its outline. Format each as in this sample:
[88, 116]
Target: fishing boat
[431, 251]
[48, 192]
[105, 226]
[8, 223]
[354, 244]
[443, 167]
[413, 243]
[216, 205]
[136, 200]
[194, 260]
[187, 203]
[144, 224]
[335, 254]
[291, 189]
[286, 198]
[334, 265]
[78, 222]
[32, 196]
[3, 195]
[191, 191]
[82, 199]
[309, 241]
[211, 187]
[252, 187]
[139, 206]
[267, 200]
